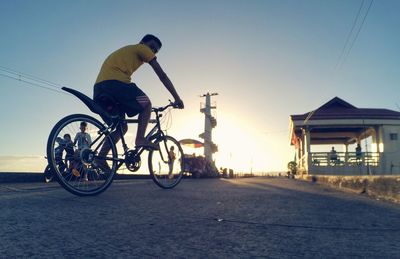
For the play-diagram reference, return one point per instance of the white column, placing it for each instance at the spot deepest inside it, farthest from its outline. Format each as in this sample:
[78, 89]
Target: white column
[307, 145]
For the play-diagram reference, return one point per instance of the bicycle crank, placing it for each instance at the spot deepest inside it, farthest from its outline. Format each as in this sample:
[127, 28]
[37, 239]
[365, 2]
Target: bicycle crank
[87, 156]
[132, 161]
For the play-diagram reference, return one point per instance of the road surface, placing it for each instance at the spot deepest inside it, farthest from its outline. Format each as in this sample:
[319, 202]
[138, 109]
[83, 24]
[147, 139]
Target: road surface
[206, 218]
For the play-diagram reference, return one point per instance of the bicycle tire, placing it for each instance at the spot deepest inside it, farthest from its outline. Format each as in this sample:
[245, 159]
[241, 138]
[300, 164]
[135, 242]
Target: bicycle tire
[88, 179]
[166, 173]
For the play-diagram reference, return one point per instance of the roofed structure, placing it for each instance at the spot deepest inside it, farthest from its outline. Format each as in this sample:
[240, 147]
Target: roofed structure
[340, 109]
[339, 122]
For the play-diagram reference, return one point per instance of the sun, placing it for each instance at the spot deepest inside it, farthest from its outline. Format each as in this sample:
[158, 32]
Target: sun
[239, 147]
[242, 146]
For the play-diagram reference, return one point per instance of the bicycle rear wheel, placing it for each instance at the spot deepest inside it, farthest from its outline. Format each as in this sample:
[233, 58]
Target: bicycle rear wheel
[76, 167]
[166, 165]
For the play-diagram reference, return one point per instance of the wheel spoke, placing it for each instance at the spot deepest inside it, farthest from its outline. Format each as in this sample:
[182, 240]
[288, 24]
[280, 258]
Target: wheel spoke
[166, 164]
[71, 155]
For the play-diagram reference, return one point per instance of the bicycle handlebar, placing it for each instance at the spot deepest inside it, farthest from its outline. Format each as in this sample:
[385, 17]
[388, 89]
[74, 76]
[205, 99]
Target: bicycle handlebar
[161, 109]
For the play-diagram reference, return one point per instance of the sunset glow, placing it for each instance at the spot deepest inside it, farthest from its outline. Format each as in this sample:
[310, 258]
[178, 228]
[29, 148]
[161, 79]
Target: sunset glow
[265, 59]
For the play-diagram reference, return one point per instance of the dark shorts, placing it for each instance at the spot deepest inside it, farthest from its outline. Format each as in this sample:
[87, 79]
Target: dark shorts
[130, 99]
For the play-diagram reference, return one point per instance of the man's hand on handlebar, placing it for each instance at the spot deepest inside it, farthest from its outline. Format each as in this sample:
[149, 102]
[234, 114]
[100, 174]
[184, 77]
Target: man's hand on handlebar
[179, 104]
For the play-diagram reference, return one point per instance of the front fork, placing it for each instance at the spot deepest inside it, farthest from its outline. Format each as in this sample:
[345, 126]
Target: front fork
[160, 138]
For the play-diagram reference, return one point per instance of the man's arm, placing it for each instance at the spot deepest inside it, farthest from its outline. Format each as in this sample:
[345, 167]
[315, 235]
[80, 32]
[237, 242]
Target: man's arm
[165, 80]
[76, 138]
[89, 139]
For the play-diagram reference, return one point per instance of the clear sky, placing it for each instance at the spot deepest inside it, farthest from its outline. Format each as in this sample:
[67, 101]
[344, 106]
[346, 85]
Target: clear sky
[267, 59]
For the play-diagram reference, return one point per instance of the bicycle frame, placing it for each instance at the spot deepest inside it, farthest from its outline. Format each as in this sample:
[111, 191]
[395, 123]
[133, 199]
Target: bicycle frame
[155, 133]
[115, 124]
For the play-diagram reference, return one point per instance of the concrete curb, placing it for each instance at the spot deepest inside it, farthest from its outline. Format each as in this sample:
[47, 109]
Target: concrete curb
[378, 187]
[39, 177]
[21, 177]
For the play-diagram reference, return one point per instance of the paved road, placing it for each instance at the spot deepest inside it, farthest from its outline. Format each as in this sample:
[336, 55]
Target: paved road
[238, 218]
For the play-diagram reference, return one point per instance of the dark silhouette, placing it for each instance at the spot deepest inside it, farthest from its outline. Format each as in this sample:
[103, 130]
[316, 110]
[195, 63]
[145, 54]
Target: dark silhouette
[333, 156]
[114, 81]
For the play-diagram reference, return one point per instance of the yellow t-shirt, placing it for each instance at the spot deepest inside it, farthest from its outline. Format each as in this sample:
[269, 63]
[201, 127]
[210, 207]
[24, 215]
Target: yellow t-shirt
[121, 64]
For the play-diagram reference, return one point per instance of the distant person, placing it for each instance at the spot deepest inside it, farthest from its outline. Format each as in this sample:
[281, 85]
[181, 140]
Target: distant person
[172, 157]
[358, 152]
[64, 144]
[69, 148]
[333, 155]
[114, 80]
[82, 139]
[70, 156]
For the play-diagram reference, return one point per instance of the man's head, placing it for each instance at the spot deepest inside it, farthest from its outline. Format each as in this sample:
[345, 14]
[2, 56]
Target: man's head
[152, 42]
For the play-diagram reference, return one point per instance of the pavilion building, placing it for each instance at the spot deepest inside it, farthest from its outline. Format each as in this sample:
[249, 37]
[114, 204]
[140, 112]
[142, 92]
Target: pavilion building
[369, 139]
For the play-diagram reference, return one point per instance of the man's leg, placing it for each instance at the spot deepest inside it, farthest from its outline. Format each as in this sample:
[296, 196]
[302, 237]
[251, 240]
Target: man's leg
[115, 136]
[143, 119]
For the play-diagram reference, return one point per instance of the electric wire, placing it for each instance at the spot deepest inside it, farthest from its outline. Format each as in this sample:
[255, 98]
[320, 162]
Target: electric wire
[346, 53]
[33, 81]
[12, 71]
[309, 117]
[166, 120]
[358, 32]
[349, 35]
[366, 146]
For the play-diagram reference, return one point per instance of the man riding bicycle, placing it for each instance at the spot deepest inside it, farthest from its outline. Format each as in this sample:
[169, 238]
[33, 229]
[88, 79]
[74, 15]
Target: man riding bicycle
[114, 80]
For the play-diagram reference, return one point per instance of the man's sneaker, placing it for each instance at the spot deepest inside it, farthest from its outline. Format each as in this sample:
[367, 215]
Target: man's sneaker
[102, 165]
[75, 172]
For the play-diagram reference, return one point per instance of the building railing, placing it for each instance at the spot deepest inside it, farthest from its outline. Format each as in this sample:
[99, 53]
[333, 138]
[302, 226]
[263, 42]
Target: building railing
[345, 159]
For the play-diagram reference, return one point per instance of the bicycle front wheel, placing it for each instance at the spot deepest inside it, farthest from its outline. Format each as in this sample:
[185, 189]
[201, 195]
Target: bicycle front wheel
[166, 165]
[72, 154]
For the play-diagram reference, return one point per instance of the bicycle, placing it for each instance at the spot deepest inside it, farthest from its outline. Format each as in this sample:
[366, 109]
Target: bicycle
[82, 176]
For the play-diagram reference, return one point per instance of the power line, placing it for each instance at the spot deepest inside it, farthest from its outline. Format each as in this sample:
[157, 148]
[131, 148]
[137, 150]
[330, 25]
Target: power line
[350, 33]
[11, 71]
[358, 32]
[32, 84]
[33, 81]
[309, 116]
[349, 44]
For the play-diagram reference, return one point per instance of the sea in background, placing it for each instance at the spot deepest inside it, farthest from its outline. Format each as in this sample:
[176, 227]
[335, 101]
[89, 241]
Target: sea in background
[32, 163]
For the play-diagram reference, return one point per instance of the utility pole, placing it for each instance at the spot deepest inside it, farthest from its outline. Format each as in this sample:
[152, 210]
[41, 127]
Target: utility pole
[209, 123]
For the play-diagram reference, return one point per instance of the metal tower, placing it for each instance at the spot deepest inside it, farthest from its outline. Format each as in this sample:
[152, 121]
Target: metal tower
[209, 123]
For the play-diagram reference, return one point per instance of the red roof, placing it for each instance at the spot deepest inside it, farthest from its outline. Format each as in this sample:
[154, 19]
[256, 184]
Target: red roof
[340, 109]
